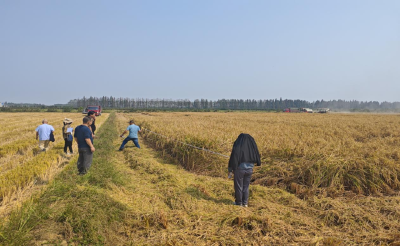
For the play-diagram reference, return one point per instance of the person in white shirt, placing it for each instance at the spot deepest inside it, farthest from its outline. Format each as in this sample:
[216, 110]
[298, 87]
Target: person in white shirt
[43, 133]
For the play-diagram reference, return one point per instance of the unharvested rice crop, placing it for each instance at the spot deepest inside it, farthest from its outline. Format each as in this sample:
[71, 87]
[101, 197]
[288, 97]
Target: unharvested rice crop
[304, 153]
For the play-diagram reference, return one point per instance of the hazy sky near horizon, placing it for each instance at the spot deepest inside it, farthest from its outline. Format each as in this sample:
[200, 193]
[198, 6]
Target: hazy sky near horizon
[54, 51]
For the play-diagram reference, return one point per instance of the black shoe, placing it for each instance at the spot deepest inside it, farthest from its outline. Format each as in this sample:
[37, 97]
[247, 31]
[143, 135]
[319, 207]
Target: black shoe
[121, 149]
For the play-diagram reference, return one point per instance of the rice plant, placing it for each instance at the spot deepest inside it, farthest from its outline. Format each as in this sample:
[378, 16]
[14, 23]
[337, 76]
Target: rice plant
[334, 152]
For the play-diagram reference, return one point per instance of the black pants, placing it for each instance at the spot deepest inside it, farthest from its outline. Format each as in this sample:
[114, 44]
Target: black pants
[84, 160]
[68, 144]
[242, 181]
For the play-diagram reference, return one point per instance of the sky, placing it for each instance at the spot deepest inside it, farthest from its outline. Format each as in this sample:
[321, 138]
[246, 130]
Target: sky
[54, 51]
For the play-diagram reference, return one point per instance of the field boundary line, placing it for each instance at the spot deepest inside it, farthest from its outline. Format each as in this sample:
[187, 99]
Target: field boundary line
[193, 146]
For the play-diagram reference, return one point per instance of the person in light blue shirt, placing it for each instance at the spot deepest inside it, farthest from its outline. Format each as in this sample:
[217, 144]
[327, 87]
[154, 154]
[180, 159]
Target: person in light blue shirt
[133, 135]
[43, 133]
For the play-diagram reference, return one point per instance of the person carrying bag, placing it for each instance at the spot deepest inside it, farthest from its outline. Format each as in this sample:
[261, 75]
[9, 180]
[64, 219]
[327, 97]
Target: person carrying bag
[68, 136]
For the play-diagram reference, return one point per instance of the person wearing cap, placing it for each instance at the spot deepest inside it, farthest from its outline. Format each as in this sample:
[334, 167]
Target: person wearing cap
[133, 135]
[43, 133]
[67, 135]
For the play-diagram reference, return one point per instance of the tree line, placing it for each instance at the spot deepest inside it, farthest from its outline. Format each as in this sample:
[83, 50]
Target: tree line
[230, 104]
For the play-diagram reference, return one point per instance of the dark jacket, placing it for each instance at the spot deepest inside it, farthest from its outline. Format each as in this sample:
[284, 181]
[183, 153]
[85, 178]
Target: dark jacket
[244, 150]
[93, 126]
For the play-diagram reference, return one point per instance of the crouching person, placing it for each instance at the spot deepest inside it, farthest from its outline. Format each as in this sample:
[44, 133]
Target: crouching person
[133, 135]
[83, 136]
[244, 155]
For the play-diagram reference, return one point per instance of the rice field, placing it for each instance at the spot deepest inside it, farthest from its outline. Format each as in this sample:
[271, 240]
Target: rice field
[21, 162]
[325, 180]
[305, 153]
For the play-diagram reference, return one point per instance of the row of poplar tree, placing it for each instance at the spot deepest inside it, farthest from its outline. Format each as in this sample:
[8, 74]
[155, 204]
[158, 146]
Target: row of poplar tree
[229, 104]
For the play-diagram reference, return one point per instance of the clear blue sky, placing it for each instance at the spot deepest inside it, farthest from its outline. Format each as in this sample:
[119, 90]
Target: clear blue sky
[53, 51]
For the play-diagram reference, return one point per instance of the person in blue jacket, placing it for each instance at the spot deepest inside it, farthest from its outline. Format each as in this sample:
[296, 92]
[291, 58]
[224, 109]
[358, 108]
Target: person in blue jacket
[133, 135]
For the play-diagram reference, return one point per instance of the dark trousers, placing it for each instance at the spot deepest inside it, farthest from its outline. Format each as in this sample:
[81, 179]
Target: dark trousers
[84, 160]
[242, 181]
[126, 140]
[68, 144]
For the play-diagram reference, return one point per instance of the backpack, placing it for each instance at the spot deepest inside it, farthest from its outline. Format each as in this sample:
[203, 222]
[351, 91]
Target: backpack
[66, 133]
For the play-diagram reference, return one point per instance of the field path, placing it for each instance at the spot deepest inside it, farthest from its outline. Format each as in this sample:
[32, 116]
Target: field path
[135, 197]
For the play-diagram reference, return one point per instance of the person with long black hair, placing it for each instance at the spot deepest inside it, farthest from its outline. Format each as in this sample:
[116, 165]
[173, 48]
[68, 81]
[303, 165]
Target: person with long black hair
[243, 157]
